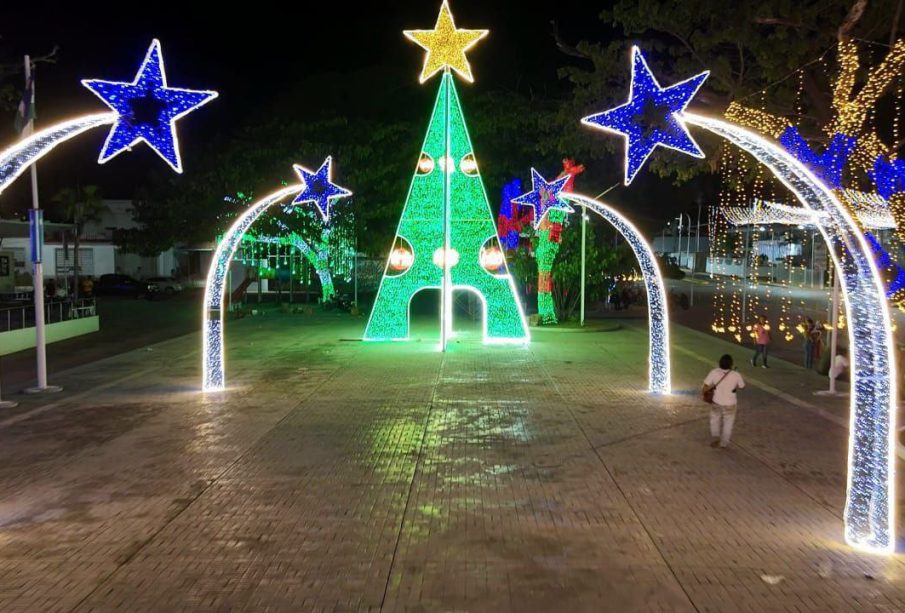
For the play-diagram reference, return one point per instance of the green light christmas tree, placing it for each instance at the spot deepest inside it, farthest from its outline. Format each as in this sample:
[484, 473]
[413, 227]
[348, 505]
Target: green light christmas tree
[446, 238]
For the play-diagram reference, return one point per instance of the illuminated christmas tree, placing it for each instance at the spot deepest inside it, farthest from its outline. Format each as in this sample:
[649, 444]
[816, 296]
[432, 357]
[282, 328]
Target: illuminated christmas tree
[446, 237]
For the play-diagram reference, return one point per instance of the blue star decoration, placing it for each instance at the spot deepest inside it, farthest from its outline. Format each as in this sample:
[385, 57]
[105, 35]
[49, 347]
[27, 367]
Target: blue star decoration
[652, 116]
[544, 196]
[319, 188]
[147, 109]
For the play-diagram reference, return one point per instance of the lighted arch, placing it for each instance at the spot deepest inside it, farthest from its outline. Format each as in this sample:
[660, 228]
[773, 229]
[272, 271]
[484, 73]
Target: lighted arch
[213, 372]
[870, 502]
[16, 159]
[660, 380]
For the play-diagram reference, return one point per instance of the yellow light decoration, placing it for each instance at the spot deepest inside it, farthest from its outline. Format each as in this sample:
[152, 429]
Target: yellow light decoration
[446, 46]
[853, 112]
[756, 119]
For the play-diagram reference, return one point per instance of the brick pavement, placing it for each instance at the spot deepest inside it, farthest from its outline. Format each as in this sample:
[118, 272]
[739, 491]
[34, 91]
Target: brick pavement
[339, 475]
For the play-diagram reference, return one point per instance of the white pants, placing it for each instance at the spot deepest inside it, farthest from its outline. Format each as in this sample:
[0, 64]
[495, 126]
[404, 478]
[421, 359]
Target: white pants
[721, 421]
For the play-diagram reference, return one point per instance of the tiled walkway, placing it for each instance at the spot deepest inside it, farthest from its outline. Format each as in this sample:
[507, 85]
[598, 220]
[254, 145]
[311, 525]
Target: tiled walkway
[339, 475]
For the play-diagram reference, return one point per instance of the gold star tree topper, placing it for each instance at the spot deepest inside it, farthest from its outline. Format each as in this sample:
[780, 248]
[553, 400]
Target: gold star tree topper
[446, 46]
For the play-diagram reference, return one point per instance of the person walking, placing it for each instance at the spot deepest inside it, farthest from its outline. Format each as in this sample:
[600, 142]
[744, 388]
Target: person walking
[761, 341]
[723, 382]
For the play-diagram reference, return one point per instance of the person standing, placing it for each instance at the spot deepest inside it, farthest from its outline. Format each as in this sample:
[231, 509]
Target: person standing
[811, 335]
[761, 341]
[725, 382]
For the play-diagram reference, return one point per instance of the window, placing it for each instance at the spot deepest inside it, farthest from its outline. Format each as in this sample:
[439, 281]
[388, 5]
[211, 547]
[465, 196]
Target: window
[64, 266]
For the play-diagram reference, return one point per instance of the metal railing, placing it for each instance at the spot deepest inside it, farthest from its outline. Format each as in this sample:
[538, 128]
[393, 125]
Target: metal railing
[23, 316]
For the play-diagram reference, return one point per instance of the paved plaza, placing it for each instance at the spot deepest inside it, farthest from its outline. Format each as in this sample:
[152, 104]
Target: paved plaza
[339, 475]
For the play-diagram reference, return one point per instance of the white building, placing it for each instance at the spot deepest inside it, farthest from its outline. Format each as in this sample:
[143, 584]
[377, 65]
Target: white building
[98, 255]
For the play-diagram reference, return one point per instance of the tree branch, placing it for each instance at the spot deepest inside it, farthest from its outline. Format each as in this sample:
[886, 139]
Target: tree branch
[564, 47]
[895, 23]
[851, 20]
[14, 68]
[727, 83]
[776, 21]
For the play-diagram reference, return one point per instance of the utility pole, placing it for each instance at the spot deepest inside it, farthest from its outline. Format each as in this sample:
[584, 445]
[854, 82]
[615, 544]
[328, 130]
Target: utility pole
[745, 277]
[697, 249]
[36, 216]
[834, 333]
[584, 230]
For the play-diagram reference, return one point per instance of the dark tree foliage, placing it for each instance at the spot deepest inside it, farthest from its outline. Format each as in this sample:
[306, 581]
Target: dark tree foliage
[746, 46]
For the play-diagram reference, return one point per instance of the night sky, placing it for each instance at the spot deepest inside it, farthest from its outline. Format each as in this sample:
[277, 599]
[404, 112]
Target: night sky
[256, 57]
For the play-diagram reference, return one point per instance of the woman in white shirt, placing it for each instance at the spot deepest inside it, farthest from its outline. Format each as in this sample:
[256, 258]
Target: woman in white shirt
[725, 403]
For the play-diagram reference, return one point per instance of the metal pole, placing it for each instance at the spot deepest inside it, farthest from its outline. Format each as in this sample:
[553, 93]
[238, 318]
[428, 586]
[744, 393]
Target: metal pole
[584, 231]
[355, 273]
[834, 339]
[745, 278]
[445, 293]
[813, 237]
[38, 269]
[697, 249]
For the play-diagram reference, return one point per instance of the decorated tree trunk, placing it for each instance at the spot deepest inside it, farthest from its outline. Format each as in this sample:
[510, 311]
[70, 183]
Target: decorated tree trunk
[549, 238]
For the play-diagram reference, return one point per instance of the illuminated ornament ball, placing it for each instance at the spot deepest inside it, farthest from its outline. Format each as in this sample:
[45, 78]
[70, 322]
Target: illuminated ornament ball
[492, 259]
[319, 188]
[401, 259]
[147, 109]
[652, 116]
[439, 258]
[446, 46]
[544, 196]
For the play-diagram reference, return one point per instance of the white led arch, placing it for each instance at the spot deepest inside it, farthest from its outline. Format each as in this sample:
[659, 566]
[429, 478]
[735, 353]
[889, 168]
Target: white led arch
[213, 371]
[659, 369]
[870, 502]
[16, 159]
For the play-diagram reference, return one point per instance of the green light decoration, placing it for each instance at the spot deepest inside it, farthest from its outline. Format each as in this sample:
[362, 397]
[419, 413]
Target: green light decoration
[447, 206]
[549, 238]
[296, 234]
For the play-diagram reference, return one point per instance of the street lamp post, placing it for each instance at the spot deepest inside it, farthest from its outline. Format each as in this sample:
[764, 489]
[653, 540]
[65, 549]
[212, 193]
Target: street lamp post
[584, 230]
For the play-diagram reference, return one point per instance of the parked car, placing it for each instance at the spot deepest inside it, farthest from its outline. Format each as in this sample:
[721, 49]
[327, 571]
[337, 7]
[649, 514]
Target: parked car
[669, 267]
[166, 285]
[124, 285]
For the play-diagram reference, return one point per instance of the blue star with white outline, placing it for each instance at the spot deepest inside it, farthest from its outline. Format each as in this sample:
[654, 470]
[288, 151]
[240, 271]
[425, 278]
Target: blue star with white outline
[544, 196]
[652, 116]
[319, 188]
[147, 109]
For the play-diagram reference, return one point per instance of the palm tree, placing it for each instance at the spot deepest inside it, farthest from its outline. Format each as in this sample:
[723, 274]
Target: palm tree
[80, 206]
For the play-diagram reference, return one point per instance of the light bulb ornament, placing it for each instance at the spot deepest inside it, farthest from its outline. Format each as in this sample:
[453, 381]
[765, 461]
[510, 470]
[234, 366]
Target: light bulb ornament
[870, 512]
[445, 46]
[647, 97]
[149, 91]
[544, 196]
[319, 188]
